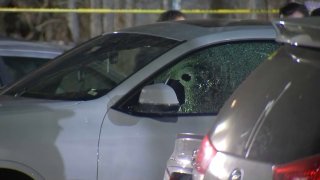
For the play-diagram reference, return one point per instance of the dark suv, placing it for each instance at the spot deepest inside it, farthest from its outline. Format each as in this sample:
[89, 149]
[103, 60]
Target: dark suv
[269, 127]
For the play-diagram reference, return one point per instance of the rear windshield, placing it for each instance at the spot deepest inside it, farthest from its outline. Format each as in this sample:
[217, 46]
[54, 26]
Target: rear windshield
[274, 116]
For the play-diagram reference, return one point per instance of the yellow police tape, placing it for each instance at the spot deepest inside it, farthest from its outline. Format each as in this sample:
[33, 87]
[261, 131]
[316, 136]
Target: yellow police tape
[139, 11]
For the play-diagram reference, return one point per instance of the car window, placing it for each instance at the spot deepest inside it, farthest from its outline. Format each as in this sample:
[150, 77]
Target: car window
[204, 79]
[14, 68]
[92, 70]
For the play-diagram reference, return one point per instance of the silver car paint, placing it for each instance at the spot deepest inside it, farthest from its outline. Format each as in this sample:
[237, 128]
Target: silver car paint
[152, 141]
[18, 48]
[62, 135]
[72, 140]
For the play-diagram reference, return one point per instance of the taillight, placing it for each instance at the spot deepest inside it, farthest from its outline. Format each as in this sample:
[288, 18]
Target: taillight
[204, 156]
[305, 169]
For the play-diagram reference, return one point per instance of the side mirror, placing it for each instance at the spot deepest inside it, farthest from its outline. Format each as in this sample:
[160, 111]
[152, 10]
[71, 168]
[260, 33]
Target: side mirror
[158, 98]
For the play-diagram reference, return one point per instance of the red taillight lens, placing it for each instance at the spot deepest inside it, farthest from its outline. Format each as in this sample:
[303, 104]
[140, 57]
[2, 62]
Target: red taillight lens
[204, 155]
[305, 169]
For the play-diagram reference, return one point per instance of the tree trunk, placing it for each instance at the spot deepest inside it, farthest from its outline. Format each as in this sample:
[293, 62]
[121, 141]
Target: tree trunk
[176, 4]
[252, 4]
[129, 4]
[95, 19]
[219, 4]
[266, 7]
[118, 18]
[73, 22]
[108, 18]
[164, 4]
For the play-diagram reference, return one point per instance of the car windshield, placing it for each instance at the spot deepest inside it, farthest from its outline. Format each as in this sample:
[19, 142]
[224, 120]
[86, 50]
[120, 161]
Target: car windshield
[93, 69]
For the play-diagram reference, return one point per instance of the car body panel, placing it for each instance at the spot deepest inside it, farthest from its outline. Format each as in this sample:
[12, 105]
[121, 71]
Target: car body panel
[134, 147]
[94, 139]
[52, 135]
[179, 30]
[181, 123]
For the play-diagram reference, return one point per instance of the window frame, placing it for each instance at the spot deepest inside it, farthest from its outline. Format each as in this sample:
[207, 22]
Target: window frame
[137, 89]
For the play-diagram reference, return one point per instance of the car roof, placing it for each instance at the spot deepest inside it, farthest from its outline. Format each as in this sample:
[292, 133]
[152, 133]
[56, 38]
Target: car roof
[20, 48]
[190, 29]
[298, 31]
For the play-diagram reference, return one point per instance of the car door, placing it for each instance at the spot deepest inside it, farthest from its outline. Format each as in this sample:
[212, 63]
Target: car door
[135, 143]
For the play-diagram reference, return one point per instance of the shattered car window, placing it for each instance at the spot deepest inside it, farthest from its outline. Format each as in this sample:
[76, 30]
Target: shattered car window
[210, 76]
